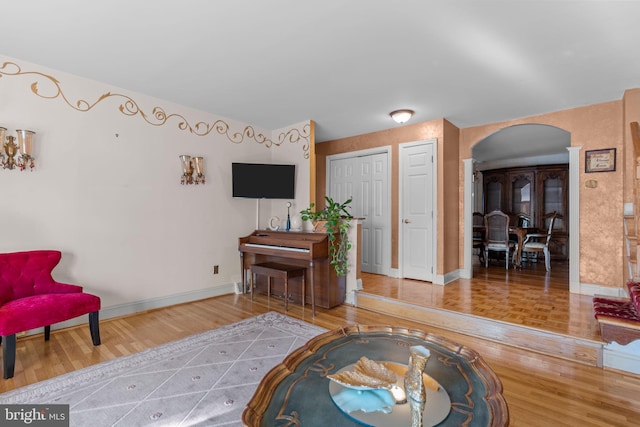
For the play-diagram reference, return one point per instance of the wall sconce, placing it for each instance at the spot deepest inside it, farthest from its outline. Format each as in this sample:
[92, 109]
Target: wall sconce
[401, 116]
[10, 150]
[189, 166]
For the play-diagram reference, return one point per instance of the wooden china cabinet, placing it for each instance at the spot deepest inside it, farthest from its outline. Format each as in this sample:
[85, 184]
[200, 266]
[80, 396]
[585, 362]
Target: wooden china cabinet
[532, 192]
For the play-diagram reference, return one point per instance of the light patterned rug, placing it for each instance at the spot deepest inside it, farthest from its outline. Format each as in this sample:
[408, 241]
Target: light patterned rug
[203, 380]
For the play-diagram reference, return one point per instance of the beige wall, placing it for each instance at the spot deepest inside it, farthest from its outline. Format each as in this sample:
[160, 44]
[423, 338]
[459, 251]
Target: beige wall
[106, 189]
[601, 228]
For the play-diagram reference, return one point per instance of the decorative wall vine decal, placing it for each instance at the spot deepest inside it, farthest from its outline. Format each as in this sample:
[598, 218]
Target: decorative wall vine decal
[159, 116]
[295, 136]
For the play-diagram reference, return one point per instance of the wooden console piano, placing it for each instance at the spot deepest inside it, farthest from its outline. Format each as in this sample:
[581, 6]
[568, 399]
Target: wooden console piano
[304, 249]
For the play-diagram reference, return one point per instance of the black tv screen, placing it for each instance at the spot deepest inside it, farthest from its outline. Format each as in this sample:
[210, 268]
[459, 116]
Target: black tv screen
[263, 181]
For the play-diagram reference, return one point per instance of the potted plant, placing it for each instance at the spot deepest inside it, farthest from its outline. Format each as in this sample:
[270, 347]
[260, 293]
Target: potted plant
[337, 221]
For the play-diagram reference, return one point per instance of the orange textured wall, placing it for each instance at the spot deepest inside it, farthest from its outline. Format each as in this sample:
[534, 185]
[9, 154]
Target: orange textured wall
[602, 258]
[631, 113]
[631, 105]
[601, 209]
[449, 195]
[393, 138]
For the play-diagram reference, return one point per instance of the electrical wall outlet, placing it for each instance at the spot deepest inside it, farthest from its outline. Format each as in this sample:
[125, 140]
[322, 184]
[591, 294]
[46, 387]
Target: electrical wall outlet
[215, 269]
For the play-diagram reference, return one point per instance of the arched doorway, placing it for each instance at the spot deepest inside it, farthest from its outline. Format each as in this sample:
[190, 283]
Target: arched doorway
[522, 145]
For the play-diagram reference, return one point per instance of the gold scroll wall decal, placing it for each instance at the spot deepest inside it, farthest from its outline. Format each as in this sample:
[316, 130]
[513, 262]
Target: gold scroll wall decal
[159, 116]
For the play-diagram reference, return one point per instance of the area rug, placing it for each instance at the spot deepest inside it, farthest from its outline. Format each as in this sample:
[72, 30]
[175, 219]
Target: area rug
[203, 380]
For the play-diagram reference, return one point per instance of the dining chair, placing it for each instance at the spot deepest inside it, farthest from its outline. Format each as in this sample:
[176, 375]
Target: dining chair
[539, 242]
[478, 235]
[496, 238]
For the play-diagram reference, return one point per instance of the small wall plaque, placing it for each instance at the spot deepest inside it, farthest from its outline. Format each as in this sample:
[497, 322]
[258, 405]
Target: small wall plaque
[600, 160]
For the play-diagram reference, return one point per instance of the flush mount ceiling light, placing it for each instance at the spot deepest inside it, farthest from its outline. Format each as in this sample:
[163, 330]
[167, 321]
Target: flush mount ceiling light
[401, 116]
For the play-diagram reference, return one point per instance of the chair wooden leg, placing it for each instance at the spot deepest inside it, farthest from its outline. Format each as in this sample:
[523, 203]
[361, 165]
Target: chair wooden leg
[47, 332]
[304, 298]
[94, 327]
[286, 293]
[9, 356]
[251, 285]
[547, 259]
[313, 296]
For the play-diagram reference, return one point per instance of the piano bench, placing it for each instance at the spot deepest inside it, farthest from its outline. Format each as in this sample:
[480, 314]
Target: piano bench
[284, 272]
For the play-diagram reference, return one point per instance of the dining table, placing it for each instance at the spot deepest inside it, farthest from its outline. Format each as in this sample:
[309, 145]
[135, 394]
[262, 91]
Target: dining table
[520, 234]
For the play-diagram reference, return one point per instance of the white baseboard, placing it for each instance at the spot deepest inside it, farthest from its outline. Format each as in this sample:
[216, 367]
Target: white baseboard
[452, 275]
[238, 288]
[150, 304]
[394, 272]
[592, 289]
[622, 357]
[444, 279]
[438, 279]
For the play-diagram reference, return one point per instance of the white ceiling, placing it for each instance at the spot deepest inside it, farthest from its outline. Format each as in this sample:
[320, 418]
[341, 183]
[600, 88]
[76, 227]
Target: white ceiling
[524, 142]
[343, 64]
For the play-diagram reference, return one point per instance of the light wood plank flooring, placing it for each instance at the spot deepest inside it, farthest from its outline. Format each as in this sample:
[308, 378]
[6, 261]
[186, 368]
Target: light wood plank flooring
[540, 390]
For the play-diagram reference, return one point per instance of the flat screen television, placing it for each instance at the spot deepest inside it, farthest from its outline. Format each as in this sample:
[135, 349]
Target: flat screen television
[263, 181]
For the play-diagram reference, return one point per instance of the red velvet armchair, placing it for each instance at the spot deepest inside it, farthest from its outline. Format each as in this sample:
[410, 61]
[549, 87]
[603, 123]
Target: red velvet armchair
[30, 298]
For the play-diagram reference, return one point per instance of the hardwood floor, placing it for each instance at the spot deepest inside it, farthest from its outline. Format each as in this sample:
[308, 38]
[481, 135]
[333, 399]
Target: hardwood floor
[540, 390]
[529, 297]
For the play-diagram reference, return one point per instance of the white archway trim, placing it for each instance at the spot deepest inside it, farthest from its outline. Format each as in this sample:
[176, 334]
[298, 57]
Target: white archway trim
[574, 219]
[467, 269]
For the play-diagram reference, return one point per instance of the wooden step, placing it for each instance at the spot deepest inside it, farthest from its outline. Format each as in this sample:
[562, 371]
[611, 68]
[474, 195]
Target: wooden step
[631, 244]
[630, 227]
[633, 267]
[575, 349]
[635, 137]
[632, 248]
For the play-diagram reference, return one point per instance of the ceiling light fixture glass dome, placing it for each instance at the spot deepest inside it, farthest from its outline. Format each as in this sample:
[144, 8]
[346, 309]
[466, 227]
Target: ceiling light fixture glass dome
[401, 116]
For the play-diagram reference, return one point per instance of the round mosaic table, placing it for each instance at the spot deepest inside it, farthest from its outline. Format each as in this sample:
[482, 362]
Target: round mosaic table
[297, 391]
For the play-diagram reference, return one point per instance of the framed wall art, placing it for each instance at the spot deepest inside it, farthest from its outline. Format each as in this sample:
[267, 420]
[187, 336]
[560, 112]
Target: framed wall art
[600, 160]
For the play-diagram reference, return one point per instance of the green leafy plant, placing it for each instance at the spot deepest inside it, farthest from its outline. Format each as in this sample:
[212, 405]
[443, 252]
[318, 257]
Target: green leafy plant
[337, 223]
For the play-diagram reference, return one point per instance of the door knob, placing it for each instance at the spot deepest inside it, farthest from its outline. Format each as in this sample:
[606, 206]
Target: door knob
[406, 221]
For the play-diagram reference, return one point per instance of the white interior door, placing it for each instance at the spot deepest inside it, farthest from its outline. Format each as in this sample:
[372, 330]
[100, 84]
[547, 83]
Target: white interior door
[341, 186]
[365, 178]
[417, 211]
[373, 179]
